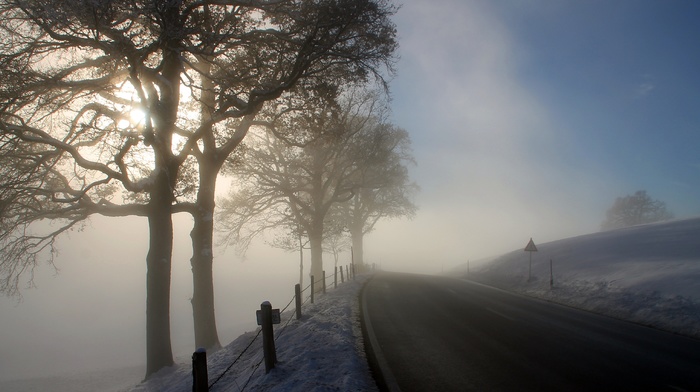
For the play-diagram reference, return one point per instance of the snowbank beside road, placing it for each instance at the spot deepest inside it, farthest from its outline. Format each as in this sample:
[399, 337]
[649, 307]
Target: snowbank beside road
[323, 351]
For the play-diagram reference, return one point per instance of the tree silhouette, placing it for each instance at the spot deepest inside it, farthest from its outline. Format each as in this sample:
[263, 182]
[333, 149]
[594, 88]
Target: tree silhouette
[384, 187]
[131, 108]
[297, 185]
[635, 210]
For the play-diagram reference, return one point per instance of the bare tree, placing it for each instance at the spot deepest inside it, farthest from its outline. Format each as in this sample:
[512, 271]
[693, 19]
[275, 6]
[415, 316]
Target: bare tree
[131, 108]
[635, 210]
[73, 78]
[304, 182]
[297, 45]
[384, 188]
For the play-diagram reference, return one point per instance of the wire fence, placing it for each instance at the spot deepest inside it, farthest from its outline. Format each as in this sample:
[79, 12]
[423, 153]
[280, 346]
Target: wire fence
[283, 326]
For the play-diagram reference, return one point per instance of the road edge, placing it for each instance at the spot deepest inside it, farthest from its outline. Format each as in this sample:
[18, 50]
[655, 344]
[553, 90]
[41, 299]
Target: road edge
[383, 375]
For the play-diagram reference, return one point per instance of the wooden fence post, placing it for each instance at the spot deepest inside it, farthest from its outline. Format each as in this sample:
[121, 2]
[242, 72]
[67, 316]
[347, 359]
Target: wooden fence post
[335, 278]
[268, 336]
[200, 378]
[297, 297]
[324, 282]
[353, 271]
[312, 289]
[342, 277]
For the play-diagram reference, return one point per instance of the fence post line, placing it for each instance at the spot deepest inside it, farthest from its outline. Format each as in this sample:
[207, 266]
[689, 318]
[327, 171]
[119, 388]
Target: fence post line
[335, 278]
[312, 289]
[268, 335]
[297, 298]
[324, 282]
[200, 378]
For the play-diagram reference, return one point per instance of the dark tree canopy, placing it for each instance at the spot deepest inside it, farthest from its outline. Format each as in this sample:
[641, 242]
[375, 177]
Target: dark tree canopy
[635, 209]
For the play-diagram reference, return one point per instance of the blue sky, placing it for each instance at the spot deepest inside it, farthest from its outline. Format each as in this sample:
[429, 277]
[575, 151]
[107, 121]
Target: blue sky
[623, 78]
[528, 118]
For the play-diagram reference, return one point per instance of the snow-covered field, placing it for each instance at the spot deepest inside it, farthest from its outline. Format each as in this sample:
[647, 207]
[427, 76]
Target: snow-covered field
[649, 274]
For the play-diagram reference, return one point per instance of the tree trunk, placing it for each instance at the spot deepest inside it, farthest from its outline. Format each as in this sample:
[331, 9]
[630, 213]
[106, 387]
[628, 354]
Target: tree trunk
[316, 245]
[357, 247]
[301, 263]
[159, 353]
[205, 332]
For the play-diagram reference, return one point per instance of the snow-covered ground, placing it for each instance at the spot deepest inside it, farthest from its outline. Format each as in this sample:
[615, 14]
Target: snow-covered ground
[324, 351]
[321, 352]
[649, 274]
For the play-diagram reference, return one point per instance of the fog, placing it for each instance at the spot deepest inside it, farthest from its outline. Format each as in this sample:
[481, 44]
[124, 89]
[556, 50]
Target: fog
[91, 315]
[497, 163]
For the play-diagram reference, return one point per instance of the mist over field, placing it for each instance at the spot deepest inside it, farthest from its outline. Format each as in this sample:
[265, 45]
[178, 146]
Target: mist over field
[91, 315]
[526, 121]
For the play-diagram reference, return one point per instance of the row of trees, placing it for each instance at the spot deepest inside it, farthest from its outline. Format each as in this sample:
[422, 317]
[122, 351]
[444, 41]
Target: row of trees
[132, 108]
[342, 177]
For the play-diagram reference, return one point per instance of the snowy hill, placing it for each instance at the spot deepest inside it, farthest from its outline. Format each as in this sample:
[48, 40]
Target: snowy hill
[648, 274]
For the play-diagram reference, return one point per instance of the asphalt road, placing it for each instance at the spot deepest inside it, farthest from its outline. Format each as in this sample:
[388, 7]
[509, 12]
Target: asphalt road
[443, 334]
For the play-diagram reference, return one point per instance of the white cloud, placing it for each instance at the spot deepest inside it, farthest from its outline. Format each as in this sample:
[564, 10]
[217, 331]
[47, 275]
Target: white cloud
[643, 89]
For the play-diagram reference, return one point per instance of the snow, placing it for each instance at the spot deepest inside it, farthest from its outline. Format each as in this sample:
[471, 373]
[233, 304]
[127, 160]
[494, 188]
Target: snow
[649, 274]
[323, 351]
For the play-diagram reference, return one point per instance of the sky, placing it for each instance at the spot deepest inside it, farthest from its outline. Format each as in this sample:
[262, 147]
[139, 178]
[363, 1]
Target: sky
[527, 119]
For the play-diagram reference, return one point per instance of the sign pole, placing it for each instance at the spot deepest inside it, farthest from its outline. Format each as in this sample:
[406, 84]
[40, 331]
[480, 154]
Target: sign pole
[530, 247]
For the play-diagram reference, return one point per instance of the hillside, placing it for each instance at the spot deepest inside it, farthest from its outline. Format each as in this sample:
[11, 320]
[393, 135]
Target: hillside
[648, 274]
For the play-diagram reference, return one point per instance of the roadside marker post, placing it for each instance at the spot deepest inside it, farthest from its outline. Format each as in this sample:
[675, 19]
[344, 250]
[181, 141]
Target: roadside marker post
[297, 297]
[200, 378]
[267, 316]
[551, 275]
[312, 288]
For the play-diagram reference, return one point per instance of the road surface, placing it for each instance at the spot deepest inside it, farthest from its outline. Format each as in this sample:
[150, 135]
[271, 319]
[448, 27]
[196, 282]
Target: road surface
[444, 334]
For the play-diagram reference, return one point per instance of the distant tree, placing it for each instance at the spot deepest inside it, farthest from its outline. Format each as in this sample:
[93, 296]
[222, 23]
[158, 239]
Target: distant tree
[282, 180]
[634, 210]
[384, 188]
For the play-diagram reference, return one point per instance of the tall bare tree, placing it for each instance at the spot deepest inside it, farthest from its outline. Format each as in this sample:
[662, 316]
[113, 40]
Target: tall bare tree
[131, 108]
[384, 188]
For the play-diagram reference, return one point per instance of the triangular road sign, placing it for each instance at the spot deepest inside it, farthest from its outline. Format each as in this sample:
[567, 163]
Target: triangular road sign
[530, 247]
